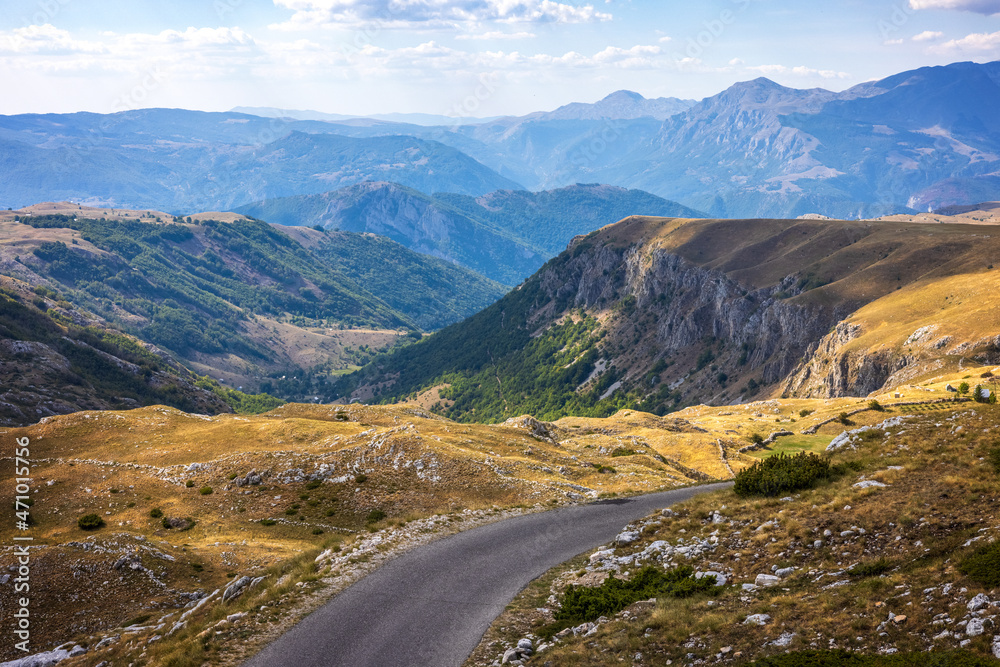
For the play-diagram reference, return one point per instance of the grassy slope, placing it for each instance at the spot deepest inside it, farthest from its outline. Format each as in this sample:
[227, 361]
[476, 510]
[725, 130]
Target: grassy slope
[936, 508]
[122, 465]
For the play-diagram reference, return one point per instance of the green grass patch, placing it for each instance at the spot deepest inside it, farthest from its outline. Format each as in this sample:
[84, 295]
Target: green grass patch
[794, 444]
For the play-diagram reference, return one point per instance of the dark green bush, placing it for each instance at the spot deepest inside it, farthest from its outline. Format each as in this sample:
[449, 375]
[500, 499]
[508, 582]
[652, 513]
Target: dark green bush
[205, 490]
[624, 451]
[189, 484]
[375, 516]
[267, 522]
[585, 603]
[360, 479]
[842, 658]
[875, 405]
[314, 484]
[90, 522]
[873, 568]
[983, 565]
[156, 513]
[780, 474]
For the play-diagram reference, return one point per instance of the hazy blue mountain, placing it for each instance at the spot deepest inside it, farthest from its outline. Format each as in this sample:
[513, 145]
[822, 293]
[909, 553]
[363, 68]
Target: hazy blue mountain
[916, 140]
[183, 161]
[411, 218]
[620, 105]
[505, 235]
[412, 118]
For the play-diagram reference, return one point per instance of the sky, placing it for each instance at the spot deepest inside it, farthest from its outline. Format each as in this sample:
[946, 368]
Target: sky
[463, 58]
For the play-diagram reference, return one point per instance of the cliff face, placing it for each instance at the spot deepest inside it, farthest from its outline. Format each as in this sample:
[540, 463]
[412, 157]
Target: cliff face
[656, 313]
[656, 305]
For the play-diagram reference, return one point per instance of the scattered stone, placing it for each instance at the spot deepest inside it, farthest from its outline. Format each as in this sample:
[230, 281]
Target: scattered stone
[975, 627]
[869, 483]
[627, 537]
[784, 572]
[757, 619]
[765, 580]
[720, 579]
[978, 602]
[40, 659]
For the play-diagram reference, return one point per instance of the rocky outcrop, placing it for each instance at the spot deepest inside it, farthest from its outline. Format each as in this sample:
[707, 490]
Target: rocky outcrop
[679, 305]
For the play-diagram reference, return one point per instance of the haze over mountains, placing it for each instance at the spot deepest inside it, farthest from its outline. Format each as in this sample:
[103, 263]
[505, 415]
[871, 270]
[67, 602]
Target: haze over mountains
[917, 140]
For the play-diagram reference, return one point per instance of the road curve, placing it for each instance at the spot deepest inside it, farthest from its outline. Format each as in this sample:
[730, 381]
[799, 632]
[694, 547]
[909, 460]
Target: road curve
[432, 605]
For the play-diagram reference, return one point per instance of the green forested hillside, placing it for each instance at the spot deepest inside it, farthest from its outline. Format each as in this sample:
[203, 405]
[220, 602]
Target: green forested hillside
[243, 294]
[53, 359]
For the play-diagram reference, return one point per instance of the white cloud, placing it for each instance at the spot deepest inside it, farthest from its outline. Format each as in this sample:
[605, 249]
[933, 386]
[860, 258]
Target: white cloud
[664, 39]
[892, 42]
[496, 35]
[980, 41]
[310, 14]
[800, 71]
[927, 36]
[45, 39]
[979, 6]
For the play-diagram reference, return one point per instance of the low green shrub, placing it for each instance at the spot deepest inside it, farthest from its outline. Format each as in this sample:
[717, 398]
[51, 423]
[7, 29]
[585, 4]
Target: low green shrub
[205, 490]
[624, 451]
[983, 565]
[779, 474]
[842, 658]
[90, 522]
[872, 568]
[156, 513]
[581, 604]
[268, 522]
[375, 516]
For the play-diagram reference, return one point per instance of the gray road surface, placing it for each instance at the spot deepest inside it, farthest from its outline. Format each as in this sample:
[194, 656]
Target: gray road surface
[431, 606]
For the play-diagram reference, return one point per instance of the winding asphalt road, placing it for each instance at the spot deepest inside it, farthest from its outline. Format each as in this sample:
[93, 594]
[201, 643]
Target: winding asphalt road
[432, 605]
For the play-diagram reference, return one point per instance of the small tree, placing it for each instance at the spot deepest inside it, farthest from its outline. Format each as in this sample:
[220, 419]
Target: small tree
[963, 388]
[875, 405]
[90, 522]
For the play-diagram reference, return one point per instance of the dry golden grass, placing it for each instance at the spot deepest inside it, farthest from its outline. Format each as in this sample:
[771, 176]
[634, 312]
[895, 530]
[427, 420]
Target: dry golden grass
[943, 494]
[124, 465]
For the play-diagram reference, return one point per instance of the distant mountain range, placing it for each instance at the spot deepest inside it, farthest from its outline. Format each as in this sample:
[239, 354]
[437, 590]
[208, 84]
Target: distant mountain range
[921, 139]
[505, 235]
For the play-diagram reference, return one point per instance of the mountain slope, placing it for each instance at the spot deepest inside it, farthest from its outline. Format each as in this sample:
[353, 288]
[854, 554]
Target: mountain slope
[656, 313]
[56, 359]
[242, 298]
[619, 105]
[413, 219]
[505, 235]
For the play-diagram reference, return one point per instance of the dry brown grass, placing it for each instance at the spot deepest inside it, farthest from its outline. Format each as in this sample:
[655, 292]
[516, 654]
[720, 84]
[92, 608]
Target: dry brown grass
[944, 495]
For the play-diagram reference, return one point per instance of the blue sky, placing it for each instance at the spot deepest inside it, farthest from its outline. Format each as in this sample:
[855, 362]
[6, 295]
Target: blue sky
[460, 57]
